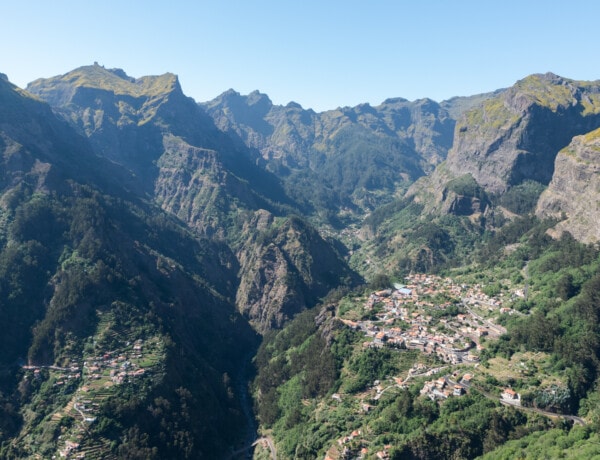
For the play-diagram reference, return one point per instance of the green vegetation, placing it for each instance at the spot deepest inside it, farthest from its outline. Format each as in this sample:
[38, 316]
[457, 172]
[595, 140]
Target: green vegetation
[549, 355]
[404, 240]
[546, 93]
[115, 279]
[467, 186]
[491, 114]
[359, 171]
[579, 442]
[522, 199]
[124, 335]
[592, 136]
[308, 424]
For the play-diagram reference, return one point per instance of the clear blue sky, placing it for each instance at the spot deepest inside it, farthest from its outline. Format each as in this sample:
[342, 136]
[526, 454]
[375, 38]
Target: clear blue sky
[319, 53]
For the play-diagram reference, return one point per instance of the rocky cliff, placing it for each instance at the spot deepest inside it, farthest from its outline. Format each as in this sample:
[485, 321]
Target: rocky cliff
[284, 267]
[515, 136]
[135, 122]
[574, 191]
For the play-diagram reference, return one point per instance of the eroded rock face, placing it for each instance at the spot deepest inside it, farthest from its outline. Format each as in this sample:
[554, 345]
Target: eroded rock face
[285, 268]
[462, 205]
[516, 135]
[207, 179]
[573, 195]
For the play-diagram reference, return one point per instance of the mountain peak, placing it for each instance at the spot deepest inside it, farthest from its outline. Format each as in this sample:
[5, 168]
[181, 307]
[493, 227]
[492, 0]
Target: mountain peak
[121, 73]
[394, 100]
[515, 136]
[293, 105]
[230, 93]
[259, 99]
[98, 77]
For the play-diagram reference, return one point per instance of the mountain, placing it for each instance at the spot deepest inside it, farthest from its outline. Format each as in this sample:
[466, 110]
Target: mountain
[112, 304]
[458, 105]
[340, 162]
[153, 249]
[196, 172]
[505, 153]
[150, 127]
[285, 267]
[510, 139]
[575, 176]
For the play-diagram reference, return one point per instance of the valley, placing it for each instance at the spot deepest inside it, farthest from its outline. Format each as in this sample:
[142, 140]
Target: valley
[236, 278]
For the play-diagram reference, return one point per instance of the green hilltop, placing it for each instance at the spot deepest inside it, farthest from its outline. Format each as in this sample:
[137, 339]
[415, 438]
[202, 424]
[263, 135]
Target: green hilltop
[114, 80]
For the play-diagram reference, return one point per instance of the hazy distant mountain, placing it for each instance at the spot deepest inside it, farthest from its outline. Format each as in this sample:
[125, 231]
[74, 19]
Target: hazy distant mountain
[354, 158]
[149, 126]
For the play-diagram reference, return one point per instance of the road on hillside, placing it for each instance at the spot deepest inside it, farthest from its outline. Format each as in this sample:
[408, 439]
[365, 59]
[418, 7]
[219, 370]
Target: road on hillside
[573, 418]
[518, 406]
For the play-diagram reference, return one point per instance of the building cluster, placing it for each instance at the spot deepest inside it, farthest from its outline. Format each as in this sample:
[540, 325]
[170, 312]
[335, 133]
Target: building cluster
[436, 316]
[353, 446]
[443, 388]
[71, 451]
[94, 378]
[67, 374]
[119, 365]
[405, 317]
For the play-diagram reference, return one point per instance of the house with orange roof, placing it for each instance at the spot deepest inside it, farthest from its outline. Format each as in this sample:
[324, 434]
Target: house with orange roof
[509, 394]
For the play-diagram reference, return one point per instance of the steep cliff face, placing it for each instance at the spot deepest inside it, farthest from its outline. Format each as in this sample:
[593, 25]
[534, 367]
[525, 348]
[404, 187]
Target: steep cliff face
[149, 126]
[515, 136]
[40, 150]
[574, 191]
[285, 268]
[194, 184]
[293, 134]
[113, 111]
[133, 121]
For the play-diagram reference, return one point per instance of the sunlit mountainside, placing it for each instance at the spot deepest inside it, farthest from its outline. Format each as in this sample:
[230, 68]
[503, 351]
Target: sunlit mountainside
[416, 279]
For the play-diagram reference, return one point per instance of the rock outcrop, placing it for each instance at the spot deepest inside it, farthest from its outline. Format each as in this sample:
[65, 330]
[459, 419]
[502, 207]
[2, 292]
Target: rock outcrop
[573, 195]
[515, 136]
[284, 268]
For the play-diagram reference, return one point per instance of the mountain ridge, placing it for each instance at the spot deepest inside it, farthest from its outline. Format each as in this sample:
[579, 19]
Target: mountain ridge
[88, 266]
[515, 136]
[137, 223]
[189, 167]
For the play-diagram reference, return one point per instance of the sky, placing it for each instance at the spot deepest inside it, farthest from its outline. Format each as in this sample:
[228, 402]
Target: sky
[322, 54]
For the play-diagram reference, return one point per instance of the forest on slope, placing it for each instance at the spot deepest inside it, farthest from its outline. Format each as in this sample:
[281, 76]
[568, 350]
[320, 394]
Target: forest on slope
[146, 240]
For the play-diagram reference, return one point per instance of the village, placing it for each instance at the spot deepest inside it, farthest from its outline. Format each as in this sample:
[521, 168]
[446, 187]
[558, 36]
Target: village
[437, 317]
[88, 383]
[412, 316]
